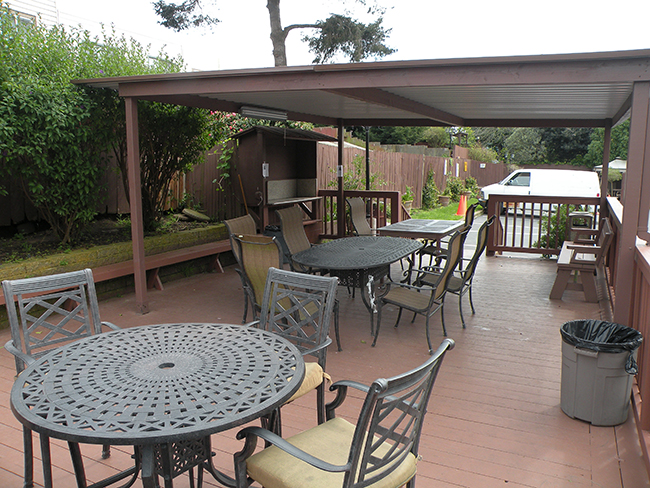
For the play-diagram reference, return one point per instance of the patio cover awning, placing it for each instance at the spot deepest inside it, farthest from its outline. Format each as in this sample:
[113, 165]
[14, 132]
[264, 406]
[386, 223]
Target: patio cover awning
[567, 90]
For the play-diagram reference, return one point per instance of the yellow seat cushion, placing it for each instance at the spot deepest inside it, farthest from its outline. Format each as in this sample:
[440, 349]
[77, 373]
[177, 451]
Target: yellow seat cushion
[273, 468]
[314, 376]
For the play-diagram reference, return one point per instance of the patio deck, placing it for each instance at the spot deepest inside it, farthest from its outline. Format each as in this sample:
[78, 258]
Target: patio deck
[494, 418]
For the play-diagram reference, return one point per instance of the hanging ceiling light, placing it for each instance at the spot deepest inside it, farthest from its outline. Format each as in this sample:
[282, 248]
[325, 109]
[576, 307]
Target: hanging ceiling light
[262, 113]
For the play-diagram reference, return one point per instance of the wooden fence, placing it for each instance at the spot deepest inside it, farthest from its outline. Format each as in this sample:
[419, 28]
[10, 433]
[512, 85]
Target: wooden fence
[223, 200]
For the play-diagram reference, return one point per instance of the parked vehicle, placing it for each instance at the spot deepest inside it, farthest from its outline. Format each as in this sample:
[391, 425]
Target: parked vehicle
[545, 182]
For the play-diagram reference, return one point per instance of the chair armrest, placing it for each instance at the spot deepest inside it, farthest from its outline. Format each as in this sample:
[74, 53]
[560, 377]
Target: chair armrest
[318, 348]
[351, 384]
[428, 270]
[584, 249]
[252, 433]
[111, 326]
[25, 358]
[254, 323]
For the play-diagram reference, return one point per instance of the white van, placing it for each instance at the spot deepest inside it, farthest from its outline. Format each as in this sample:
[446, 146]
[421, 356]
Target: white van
[545, 182]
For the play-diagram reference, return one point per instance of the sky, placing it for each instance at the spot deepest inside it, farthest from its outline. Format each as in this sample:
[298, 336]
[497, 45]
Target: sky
[421, 29]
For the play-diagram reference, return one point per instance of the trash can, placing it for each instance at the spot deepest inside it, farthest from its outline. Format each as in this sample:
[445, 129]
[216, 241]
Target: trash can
[276, 231]
[598, 366]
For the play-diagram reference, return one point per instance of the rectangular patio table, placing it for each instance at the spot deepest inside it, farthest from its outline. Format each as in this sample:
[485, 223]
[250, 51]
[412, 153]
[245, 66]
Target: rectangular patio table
[431, 231]
[164, 389]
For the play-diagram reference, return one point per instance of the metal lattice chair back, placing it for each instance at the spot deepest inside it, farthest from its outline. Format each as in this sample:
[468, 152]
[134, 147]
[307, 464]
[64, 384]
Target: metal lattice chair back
[298, 307]
[49, 311]
[293, 230]
[258, 253]
[358, 217]
[44, 313]
[394, 411]
[384, 443]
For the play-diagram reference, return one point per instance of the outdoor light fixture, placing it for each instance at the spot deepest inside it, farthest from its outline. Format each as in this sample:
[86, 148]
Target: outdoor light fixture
[262, 113]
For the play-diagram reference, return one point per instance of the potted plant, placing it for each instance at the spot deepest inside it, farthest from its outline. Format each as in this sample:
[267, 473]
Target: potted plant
[444, 198]
[407, 198]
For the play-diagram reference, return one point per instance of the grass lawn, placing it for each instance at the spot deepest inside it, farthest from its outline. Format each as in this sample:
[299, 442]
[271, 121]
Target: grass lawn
[441, 213]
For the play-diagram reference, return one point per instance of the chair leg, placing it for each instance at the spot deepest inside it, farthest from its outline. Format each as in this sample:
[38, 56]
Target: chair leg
[336, 325]
[561, 280]
[426, 323]
[442, 319]
[320, 403]
[460, 309]
[471, 301]
[399, 316]
[374, 340]
[28, 448]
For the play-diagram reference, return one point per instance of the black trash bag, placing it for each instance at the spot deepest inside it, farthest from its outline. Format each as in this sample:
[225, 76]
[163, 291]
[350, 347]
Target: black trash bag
[601, 336]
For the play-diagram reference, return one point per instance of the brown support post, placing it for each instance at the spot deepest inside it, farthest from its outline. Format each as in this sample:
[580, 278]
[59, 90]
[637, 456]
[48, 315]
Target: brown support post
[635, 178]
[607, 142]
[135, 202]
[340, 207]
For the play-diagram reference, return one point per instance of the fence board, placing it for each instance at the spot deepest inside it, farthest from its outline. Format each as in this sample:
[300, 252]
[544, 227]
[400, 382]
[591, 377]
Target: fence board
[397, 170]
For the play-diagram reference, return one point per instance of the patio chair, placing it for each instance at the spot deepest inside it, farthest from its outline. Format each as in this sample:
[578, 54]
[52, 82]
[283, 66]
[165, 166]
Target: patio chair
[425, 299]
[293, 232]
[381, 450]
[437, 250]
[579, 264]
[45, 313]
[299, 307]
[460, 282]
[358, 217]
[240, 226]
[257, 253]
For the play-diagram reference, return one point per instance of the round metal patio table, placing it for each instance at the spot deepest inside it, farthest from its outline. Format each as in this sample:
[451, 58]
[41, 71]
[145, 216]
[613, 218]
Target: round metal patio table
[359, 262]
[162, 388]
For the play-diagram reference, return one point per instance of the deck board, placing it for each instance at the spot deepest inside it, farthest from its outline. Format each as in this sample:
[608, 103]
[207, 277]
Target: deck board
[494, 418]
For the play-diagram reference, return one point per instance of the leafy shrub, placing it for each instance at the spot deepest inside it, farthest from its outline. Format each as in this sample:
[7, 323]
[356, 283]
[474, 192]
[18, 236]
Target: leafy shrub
[484, 154]
[54, 135]
[455, 188]
[430, 191]
[355, 178]
[471, 185]
[558, 231]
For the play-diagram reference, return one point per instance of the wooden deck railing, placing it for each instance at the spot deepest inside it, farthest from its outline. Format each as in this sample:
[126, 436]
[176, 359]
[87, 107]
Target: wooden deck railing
[639, 320]
[381, 205]
[531, 223]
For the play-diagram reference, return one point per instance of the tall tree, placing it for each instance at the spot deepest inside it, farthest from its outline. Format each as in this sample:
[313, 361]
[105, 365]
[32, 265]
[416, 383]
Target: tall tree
[336, 34]
[566, 144]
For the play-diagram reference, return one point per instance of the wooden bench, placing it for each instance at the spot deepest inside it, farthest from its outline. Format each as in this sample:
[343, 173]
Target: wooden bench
[579, 263]
[154, 262]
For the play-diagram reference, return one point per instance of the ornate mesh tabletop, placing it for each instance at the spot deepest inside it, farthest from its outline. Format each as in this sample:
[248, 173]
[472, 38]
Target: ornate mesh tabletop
[157, 384]
[363, 252]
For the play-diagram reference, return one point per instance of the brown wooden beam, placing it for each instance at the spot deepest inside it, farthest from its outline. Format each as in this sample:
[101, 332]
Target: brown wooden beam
[135, 203]
[387, 99]
[635, 175]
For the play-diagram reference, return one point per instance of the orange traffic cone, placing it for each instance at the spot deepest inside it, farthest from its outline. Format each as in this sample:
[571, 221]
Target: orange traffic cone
[462, 205]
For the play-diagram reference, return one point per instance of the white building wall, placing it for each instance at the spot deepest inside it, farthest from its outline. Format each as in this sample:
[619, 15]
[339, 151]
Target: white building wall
[41, 10]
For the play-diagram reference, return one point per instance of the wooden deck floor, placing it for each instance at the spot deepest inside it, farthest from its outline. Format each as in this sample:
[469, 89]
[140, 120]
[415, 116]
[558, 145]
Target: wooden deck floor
[494, 418]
